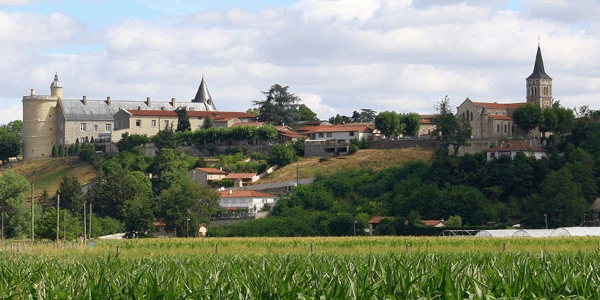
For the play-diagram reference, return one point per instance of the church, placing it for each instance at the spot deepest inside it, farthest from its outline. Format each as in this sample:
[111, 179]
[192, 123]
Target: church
[492, 120]
[51, 120]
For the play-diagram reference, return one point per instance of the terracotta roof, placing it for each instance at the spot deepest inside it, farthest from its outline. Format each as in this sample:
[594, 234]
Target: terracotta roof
[211, 170]
[238, 193]
[193, 113]
[291, 134]
[335, 128]
[501, 117]
[240, 175]
[516, 146]
[431, 222]
[377, 219]
[498, 105]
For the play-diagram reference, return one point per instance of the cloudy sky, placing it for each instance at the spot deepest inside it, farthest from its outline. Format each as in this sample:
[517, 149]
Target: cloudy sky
[337, 55]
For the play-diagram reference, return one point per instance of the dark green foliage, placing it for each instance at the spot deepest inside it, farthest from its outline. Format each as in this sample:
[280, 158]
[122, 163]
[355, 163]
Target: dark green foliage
[129, 142]
[280, 106]
[453, 131]
[70, 194]
[528, 116]
[10, 140]
[208, 123]
[388, 122]
[54, 151]
[166, 138]
[183, 121]
[306, 114]
[282, 155]
[410, 124]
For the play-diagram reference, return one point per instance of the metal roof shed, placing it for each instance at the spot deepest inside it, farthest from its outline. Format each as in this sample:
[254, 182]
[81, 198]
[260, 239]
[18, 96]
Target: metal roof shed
[496, 233]
[576, 231]
[534, 232]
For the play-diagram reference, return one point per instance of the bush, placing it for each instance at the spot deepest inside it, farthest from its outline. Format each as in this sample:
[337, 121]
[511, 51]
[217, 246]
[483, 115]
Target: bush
[352, 149]
[324, 159]
[223, 183]
[282, 155]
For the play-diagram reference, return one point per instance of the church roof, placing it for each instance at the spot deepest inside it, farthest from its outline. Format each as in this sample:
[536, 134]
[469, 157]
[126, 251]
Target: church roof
[203, 96]
[100, 110]
[498, 105]
[538, 68]
[501, 117]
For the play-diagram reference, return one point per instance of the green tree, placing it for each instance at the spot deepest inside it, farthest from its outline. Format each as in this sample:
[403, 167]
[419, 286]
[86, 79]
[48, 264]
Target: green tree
[45, 225]
[10, 141]
[279, 107]
[208, 123]
[185, 204]
[410, 124]
[183, 121]
[306, 114]
[12, 203]
[451, 130]
[166, 138]
[282, 155]
[528, 117]
[129, 142]
[340, 119]
[454, 221]
[388, 122]
[69, 190]
[54, 151]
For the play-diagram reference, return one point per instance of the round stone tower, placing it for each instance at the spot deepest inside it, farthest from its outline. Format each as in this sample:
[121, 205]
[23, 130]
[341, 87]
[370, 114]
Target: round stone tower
[39, 122]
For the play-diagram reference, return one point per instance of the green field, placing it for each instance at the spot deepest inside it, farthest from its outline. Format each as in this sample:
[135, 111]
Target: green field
[285, 268]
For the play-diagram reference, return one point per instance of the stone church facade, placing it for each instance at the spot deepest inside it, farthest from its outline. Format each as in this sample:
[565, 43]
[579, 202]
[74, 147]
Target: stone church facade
[492, 120]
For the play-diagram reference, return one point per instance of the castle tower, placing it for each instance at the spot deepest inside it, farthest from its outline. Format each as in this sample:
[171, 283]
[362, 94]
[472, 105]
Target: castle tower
[203, 96]
[39, 122]
[539, 84]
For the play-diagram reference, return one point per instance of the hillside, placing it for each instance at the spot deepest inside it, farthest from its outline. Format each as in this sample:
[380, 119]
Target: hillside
[367, 158]
[46, 173]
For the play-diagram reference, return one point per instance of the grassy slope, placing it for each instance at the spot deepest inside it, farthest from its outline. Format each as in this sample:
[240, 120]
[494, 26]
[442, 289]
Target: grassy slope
[368, 158]
[46, 173]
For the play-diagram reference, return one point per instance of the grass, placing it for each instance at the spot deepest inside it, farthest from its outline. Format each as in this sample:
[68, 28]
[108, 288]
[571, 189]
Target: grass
[47, 173]
[366, 158]
[433, 268]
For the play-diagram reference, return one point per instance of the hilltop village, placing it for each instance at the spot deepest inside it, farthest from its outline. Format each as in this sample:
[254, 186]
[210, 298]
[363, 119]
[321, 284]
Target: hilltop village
[179, 168]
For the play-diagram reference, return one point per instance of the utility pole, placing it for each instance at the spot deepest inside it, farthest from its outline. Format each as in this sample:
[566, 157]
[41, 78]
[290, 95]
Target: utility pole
[32, 215]
[57, 217]
[84, 225]
[90, 220]
[546, 220]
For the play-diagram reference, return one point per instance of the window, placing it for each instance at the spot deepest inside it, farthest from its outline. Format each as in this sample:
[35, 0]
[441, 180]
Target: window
[107, 127]
[320, 134]
[505, 128]
[82, 126]
[498, 126]
[329, 134]
[138, 123]
[166, 123]
[351, 133]
[153, 123]
[95, 127]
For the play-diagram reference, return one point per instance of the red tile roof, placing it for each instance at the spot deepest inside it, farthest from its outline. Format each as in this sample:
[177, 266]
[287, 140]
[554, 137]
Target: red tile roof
[501, 117]
[194, 113]
[377, 219]
[238, 193]
[516, 146]
[498, 105]
[431, 222]
[251, 124]
[211, 170]
[335, 128]
[291, 134]
[240, 175]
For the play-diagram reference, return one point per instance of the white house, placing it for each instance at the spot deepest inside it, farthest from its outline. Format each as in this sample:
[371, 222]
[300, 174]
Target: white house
[251, 200]
[511, 148]
[205, 175]
[339, 133]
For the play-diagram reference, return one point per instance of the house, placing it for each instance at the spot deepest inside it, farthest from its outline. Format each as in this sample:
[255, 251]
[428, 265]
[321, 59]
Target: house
[202, 229]
[204, 176]
[242, 179]
[252, 201]
[340, 133]
[285, 134]
[427, 125]
[160, 230]
[374, 223]
[433, 223]
[511, 148]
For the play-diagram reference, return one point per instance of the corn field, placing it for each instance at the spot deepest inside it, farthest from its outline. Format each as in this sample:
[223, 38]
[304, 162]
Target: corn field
[305, 276]
[304, 268]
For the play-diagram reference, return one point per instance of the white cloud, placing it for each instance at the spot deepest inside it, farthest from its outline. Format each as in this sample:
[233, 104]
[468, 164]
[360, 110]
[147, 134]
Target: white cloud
[315, 103]
[10, 113]
[341, 10]
[15, 2]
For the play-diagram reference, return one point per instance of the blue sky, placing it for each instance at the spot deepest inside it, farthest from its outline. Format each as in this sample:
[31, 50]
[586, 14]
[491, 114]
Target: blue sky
[337, 55]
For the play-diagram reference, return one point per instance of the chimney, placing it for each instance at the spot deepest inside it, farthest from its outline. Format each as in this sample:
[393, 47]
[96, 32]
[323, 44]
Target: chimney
[148, 101]
[108, 100]
[139, 107]
[84, 100]
[162, 108]
[32, 92]
[173, 102]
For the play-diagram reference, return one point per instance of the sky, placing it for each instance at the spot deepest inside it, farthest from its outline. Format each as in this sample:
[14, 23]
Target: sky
[338, 56]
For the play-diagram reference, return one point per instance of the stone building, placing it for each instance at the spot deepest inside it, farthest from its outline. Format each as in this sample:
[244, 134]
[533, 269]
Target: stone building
[492, 120]
[51, 120]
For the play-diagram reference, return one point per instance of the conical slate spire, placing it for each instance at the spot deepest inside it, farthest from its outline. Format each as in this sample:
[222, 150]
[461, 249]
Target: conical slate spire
[538, 68]
[55, 83]
[203, 96]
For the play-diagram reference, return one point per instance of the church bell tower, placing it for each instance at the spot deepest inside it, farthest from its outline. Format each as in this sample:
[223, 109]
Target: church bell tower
[539, 84]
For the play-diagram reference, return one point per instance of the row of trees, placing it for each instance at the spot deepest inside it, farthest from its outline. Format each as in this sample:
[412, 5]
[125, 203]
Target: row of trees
[392, 124]
[10, 139]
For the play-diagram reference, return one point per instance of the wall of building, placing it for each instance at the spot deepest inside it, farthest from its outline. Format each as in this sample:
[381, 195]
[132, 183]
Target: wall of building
[39, 126]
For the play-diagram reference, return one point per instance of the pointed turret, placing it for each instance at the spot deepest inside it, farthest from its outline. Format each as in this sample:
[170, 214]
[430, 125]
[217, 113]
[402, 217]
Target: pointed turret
[538, 68]
[56, 87]
[203, 96]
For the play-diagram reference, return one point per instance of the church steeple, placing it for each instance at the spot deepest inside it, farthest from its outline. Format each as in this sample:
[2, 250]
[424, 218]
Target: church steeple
[539, 84]
[203, 96]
